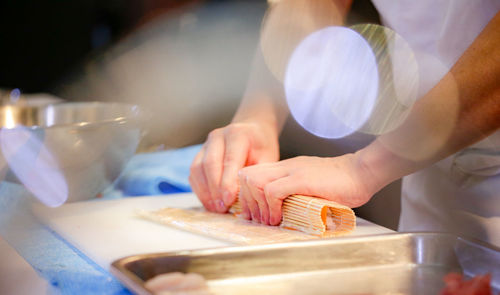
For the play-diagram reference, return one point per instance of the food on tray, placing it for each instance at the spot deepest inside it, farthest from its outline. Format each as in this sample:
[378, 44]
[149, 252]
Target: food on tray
[457, 285]
[313, 215]
[177, 283]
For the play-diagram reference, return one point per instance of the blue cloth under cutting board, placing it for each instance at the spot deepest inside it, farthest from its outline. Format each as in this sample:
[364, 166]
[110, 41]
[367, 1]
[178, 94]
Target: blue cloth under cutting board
[67, 269]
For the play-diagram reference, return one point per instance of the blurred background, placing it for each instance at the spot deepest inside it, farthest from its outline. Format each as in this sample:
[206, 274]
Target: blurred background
[186, 61]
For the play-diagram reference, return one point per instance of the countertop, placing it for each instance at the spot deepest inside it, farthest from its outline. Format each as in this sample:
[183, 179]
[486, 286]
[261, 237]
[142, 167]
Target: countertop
[76, 223]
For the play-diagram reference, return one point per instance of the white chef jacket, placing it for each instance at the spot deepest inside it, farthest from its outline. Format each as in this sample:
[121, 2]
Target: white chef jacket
[460, 194]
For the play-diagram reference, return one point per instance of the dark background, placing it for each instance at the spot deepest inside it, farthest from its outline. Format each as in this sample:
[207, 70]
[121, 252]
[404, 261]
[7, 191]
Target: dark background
[43, 40]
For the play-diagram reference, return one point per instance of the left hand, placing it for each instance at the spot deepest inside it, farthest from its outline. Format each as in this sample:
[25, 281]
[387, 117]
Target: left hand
[343, 179]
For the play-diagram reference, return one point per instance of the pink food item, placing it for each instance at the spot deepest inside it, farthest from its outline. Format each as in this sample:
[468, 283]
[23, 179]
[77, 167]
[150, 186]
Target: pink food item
[457, 285]
[177, 283]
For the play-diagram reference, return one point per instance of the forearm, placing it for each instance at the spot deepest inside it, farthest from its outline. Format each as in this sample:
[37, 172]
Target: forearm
[463, 108]
[264, 99]
[286, 24]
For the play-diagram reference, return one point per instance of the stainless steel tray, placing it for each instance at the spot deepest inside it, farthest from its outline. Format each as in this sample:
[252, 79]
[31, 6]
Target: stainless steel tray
[412, 263]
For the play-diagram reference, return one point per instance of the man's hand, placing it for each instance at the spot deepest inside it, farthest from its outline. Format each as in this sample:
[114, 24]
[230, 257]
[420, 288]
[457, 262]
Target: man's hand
[342, 179]
[214, 171]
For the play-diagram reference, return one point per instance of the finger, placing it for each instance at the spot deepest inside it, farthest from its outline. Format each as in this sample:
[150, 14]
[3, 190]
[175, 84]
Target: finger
[195, 188]
[198, 181]
[275, 192]
[212, 167]
[256, 178]
[251, 199]
[245, 212]
[261, 174]
[252, 209]
[235, 157]
[258, 195]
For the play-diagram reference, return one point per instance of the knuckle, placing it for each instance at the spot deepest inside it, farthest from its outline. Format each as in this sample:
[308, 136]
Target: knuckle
[213, 134]
[252, 181]
[269, 191]
[232, 130]
[250, 171]
[243, 174]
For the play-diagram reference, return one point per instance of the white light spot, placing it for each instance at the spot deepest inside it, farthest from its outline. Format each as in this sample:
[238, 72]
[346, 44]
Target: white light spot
[331, 83]
[9, 122]
[33, 165]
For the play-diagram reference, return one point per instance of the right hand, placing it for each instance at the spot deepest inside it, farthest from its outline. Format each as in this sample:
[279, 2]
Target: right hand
[214, 171]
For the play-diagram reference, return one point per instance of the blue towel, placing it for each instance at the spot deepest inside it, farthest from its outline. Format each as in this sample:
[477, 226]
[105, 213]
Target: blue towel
[155, 173]
[66, 269]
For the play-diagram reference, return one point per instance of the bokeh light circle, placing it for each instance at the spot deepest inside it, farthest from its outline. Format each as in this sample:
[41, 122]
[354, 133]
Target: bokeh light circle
[287, 23]
[398, 78]
[331, 82]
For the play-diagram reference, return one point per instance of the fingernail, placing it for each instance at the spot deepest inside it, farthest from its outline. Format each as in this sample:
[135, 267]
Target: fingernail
[226, 197]
[220, 205]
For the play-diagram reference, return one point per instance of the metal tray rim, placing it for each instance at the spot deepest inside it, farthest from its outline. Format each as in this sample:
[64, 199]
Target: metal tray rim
[132, 281]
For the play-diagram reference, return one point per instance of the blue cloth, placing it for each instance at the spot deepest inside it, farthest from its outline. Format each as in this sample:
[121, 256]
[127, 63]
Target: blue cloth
[66, 269]
[157, 173]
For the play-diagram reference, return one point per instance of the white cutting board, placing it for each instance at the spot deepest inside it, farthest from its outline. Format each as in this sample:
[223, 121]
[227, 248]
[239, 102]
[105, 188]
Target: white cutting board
[106, 230]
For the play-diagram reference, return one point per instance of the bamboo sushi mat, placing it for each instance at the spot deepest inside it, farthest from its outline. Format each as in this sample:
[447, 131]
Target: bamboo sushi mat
[304, 218]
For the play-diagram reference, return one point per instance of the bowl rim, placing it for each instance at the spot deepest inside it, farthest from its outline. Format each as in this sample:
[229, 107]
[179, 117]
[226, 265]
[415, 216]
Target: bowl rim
[134, 108]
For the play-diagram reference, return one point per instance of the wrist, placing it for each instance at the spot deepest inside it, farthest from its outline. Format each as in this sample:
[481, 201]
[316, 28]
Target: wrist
[262, 121]
[264, 108]
[381, 166]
